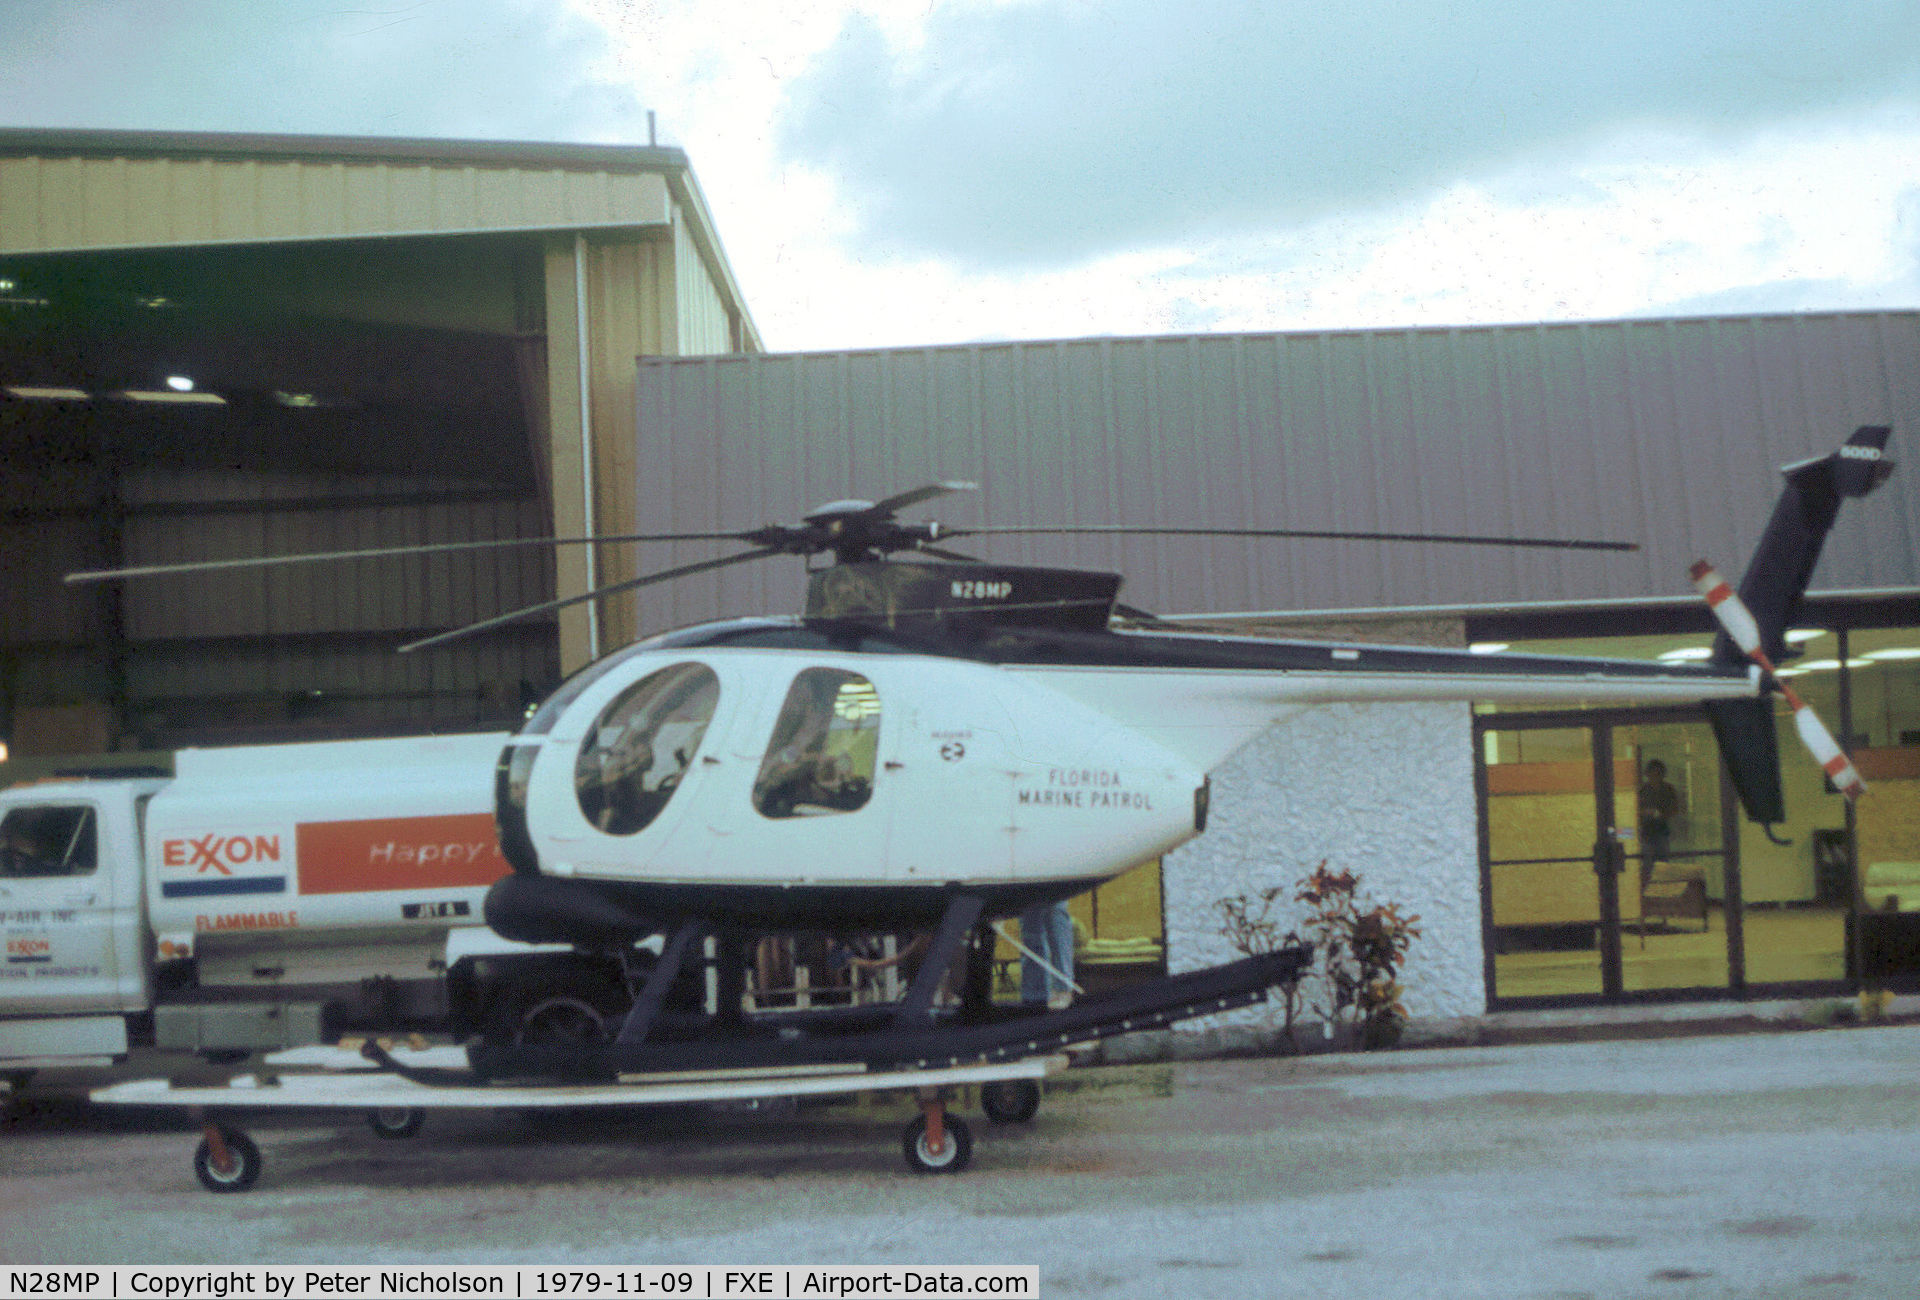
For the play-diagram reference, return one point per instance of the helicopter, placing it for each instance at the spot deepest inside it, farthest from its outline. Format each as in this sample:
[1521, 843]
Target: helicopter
[936, 743]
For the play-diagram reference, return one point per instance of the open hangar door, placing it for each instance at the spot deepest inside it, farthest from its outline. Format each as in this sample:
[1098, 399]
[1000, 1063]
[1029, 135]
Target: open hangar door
[238, 401]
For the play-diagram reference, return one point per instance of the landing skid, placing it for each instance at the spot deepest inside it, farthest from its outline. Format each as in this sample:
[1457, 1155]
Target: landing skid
[916, 1044]
[914, 1032]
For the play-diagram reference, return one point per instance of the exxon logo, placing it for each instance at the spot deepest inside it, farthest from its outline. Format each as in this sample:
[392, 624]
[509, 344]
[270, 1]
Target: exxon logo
[217, 852]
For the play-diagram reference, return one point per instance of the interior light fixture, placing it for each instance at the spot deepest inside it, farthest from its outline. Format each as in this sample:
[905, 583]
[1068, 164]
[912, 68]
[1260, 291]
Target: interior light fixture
[1893, 654]
[37, 393]
[1687, 653]
[165, 395]
[1799, 635]
[297, 401]
[180, 383]
[1488, 647]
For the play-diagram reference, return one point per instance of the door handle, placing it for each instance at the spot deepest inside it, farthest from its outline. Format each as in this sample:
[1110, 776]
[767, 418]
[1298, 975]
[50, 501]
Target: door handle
[893, 765]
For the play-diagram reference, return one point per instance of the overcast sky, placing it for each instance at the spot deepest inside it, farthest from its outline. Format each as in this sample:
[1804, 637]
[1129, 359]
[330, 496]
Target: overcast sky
[887, 174]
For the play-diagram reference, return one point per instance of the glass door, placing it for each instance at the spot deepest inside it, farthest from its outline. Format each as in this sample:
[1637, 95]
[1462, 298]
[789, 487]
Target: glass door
[1550, 861]
[1610, 859]
[1674, 824]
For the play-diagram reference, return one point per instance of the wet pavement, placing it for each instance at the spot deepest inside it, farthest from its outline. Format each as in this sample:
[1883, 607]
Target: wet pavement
[1779, 1164]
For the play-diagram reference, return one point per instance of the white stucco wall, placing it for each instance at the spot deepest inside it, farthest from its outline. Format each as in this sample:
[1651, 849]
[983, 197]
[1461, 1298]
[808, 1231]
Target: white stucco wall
[1383, 790]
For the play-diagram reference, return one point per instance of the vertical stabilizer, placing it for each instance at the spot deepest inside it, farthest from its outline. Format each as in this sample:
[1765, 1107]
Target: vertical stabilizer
[1784, 561]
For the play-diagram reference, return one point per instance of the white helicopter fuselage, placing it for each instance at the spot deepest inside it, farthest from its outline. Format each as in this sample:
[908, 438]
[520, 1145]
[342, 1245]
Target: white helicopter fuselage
[666, 780]
[979, 777]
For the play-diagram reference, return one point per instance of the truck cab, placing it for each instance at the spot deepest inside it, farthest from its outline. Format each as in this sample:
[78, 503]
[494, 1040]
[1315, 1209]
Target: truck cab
[72, 917]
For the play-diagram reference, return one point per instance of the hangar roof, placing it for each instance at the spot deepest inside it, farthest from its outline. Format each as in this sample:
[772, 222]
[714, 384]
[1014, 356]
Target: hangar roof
[66, 191]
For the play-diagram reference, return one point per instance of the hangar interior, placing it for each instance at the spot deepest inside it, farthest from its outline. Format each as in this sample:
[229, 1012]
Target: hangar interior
[262, 401]
[217, 347]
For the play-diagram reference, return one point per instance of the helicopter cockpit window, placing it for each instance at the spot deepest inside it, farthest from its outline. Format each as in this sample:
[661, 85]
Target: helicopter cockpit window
[824, 746]
[642, 744]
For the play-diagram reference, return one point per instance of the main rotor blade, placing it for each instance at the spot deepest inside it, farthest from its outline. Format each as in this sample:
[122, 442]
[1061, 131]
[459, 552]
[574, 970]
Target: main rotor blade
[528, 611]
[901, 500]
[940, 552]
[384, 552]
[1454, 539]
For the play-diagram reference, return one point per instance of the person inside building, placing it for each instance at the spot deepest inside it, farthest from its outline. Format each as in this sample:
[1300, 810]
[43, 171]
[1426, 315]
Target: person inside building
[1659, 805]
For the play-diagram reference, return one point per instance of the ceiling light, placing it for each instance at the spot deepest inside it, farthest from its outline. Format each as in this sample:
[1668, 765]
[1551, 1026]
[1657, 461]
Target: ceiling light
[162, 395]
[180, 383]
[7, 286]
[299, 401]
[1894, 653]
[32, 393]
[1798, 635]
[1488, 647]
[1688, 652]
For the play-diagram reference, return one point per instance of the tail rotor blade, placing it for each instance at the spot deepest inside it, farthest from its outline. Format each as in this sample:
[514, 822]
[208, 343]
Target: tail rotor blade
[1825, 749]
[1740, 624]
[1729, 609]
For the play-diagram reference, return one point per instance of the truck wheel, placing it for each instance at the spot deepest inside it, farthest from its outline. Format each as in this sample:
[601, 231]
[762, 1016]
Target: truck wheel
[1010, 1101]
[239, 1168]
[950, 1159]
[396, 1121]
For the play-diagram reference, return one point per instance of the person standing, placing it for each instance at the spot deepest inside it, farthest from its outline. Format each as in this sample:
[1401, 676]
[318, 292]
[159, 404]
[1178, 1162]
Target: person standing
[1047, 930]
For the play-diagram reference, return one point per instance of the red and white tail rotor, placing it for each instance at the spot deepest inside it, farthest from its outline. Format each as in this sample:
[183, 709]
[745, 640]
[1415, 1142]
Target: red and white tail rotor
[1740, 624]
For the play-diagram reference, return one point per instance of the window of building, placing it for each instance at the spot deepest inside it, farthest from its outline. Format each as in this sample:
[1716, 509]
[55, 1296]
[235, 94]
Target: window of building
[1798, 891]
[641, 746]
[47, 841]
[824, 748]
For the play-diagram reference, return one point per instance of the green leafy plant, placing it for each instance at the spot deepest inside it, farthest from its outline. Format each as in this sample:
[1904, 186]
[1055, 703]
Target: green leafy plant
[1359, 952]
[1248, 923]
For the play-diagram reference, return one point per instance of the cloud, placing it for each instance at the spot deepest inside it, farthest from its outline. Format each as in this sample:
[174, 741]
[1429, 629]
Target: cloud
[1046, 132]
[480, 69]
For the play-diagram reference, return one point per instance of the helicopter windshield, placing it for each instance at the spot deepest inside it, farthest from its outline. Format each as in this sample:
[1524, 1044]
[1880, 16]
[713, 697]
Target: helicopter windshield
[642, 744]
[821, 757]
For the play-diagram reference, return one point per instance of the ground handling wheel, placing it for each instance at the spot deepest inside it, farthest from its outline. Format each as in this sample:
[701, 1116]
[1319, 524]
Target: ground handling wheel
[396, 1121]
[1010, 1101]
[226, 1160]
[956, 1148]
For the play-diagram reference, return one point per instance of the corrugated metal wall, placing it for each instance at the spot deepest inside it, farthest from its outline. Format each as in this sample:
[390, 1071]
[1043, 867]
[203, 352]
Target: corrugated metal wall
[1663, 432]
[256, 651]
[706, 326]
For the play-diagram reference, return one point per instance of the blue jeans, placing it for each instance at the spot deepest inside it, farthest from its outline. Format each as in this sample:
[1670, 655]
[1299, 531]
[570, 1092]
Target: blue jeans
[1048, 930]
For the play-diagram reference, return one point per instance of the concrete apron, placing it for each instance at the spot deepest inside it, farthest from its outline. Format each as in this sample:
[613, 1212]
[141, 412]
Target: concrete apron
[1563, 1024]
